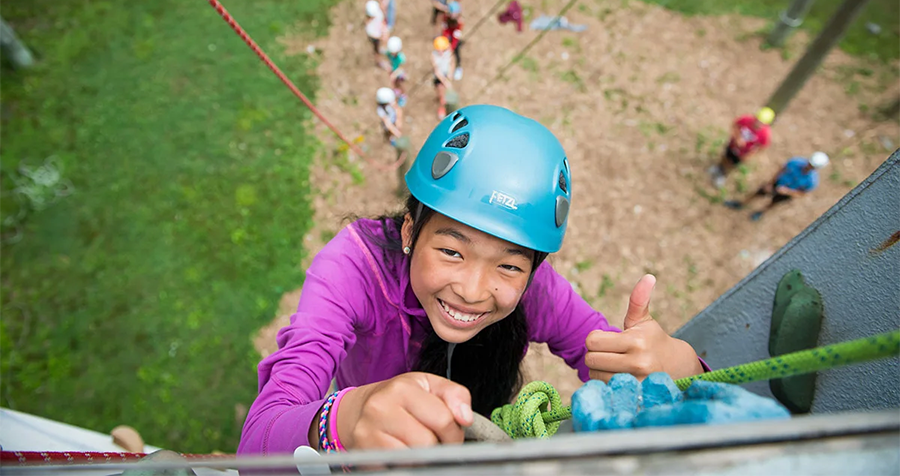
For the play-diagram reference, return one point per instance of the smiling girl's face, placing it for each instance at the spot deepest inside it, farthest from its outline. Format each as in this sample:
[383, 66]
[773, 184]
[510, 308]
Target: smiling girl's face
[465, 279]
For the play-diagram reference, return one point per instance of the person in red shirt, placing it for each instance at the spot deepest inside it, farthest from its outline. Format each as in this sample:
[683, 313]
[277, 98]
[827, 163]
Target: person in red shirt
[453, 31]
[513, 14]
[749, 135]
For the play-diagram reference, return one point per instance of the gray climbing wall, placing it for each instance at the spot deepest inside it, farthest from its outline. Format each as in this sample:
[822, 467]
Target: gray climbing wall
[860, 290]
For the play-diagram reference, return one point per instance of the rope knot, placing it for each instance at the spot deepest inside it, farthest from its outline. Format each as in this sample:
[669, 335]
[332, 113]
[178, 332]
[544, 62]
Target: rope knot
[537, 412]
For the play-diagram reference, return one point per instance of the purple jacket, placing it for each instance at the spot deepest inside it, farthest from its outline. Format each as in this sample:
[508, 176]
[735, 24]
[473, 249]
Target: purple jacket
[358, 321]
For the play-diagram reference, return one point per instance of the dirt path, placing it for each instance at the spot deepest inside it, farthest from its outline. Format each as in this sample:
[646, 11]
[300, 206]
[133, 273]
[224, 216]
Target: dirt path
[641, 102]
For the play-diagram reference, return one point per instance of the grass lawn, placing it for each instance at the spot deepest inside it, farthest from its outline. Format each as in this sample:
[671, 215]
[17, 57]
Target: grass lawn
[858, 40]
[133, 299]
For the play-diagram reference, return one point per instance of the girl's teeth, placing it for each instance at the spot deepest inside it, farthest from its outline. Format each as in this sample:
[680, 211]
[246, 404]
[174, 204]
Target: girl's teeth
[459, 316]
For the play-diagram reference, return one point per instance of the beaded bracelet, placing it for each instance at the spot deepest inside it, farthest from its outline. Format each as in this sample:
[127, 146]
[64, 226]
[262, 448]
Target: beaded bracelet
[324, 443]
[332, 422]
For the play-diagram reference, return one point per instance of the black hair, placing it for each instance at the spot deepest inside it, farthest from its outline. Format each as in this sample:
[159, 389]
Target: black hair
[489, 363]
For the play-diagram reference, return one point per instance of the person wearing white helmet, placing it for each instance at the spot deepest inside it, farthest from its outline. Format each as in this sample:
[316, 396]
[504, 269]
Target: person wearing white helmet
[390, 114]
[818, 160]
[796, 178]
[394, 45]
[373, 9]
[396, 58]
[376, 29]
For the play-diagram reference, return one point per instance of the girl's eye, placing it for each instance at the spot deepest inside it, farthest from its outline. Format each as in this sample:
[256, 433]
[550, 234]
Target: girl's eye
[450, 253]
[510, 267]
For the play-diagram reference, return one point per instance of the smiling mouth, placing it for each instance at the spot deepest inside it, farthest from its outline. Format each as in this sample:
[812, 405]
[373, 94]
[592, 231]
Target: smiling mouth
[458, 315]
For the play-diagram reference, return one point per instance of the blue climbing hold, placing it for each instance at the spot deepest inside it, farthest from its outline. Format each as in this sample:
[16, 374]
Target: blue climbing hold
[659, 389]
[591, 404]
[626, 390]
[713, 403]
[598, 406]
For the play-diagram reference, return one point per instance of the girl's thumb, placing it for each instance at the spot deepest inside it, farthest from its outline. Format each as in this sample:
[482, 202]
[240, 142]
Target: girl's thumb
[639, 302]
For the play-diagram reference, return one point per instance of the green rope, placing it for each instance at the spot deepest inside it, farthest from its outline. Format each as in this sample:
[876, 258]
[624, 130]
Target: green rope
[531, 417]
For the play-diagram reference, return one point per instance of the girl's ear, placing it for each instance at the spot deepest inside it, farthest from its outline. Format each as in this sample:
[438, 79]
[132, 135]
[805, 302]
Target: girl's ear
[406, 230]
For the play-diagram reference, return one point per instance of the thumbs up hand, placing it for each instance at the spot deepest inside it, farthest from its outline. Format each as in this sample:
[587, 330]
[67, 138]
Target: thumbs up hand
[643, 347]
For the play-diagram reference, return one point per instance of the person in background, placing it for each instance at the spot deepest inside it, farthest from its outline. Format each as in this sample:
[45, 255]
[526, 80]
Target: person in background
[396, 58]
[795, 179]
[512, 14]
[390, 114]
[749, 135]
[453, 31]
[438, 10]
[442, 65]
[389, 7]
[376, 30]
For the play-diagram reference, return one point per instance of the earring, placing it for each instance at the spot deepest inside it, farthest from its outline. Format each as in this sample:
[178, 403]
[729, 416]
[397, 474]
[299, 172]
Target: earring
[406, 250]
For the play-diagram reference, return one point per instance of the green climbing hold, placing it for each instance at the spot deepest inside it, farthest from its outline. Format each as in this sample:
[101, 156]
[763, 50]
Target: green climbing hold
[796, 322]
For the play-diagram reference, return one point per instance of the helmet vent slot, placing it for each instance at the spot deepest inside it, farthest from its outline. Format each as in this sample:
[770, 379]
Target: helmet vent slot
[562, 210]
[460, 125]
[562, 183]
[443, 162]
[458, 142]
[457, 116]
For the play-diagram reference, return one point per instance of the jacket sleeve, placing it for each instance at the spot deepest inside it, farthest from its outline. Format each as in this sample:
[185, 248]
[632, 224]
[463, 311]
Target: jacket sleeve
[560, 317]
[293, 381]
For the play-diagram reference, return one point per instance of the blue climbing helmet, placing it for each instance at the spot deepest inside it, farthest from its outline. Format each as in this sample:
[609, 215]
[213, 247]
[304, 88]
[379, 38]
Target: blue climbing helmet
[498, 172]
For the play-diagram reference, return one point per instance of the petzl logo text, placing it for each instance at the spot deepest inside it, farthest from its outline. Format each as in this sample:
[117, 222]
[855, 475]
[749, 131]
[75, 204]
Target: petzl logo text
[503, 200]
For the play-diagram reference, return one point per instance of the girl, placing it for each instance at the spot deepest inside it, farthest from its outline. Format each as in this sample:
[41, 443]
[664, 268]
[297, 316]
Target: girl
[424, 317]
[442, 64]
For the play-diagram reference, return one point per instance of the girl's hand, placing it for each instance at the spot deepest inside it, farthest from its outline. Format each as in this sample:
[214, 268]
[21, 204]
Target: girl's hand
[409, 410]
[643, 347]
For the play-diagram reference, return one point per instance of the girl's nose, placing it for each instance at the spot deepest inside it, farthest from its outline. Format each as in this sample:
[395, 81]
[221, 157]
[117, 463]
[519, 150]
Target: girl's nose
[472, 287]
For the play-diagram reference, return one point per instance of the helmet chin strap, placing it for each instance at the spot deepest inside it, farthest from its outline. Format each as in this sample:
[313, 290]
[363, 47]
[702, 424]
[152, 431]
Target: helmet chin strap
[450, 347]
[418, 211]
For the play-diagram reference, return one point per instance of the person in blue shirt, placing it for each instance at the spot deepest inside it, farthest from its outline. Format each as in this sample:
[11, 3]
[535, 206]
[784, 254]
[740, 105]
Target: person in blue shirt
[796, 178]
